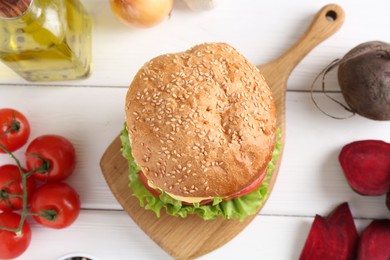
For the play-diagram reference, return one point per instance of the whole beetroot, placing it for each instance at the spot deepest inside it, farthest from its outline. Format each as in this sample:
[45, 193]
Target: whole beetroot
[364, 79]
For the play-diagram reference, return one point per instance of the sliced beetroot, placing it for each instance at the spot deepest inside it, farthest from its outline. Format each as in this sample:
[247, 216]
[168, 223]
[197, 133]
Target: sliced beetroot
[320, 239]
[334, 237]
[342, 218]
[366, 165]
[375, 241]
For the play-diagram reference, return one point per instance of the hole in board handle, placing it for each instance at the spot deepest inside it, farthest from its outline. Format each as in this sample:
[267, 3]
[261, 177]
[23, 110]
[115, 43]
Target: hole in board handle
[331, 15]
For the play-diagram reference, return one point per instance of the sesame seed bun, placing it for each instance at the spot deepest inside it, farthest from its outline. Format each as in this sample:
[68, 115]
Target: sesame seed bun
[201, 122]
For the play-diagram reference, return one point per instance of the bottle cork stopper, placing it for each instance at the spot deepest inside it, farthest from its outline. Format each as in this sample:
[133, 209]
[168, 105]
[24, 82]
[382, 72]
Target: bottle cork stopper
[13, 8]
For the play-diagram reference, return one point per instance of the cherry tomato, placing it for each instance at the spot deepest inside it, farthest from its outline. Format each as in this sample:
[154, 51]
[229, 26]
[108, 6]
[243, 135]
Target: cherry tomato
[11, 185]
[250, 188]
[14, 129]
[53, 155]
[12, 245]
[58, 203]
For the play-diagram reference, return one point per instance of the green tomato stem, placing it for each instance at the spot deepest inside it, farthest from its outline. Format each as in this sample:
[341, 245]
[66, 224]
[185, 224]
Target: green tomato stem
[24, 176]
[4, 194]
[43, 168]
[49, 214]
[15, 126]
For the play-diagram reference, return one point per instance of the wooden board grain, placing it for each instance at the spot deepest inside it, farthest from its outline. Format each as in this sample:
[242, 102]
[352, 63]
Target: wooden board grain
[193, 237]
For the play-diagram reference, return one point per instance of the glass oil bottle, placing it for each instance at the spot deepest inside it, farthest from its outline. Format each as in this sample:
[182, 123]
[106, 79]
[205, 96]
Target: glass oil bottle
[46, 40]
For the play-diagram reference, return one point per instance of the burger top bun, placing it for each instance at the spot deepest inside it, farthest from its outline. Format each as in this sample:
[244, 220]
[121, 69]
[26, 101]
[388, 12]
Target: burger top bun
[201, 122]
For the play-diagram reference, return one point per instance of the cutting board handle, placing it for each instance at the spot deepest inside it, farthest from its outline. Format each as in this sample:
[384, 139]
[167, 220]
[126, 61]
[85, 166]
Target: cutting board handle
[325, 23]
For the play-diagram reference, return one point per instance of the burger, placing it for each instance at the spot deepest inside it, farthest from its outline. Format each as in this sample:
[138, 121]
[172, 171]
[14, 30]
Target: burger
[200, 134]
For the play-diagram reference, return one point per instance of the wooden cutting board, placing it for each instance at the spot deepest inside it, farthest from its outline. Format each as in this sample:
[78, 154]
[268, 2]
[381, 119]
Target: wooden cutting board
[193, 237]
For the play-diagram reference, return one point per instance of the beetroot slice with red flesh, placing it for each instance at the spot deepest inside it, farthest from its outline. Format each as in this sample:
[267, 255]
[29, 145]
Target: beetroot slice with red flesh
[375, 241]
[366, 165]
[334, 237]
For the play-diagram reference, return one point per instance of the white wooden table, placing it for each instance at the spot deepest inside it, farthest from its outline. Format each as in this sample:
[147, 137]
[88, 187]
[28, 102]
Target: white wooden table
[91, 114]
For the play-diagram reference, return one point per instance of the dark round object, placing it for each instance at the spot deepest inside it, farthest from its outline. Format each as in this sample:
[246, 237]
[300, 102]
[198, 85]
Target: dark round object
[364, 79]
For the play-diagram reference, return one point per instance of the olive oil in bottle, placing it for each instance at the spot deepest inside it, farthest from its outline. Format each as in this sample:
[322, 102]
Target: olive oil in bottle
[46, 40]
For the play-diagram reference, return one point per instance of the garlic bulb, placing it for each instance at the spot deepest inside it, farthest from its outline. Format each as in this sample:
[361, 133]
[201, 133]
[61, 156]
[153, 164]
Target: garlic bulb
[199, 5]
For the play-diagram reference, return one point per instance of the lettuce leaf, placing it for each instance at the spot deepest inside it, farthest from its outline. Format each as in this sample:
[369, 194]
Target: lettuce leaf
[237, 208]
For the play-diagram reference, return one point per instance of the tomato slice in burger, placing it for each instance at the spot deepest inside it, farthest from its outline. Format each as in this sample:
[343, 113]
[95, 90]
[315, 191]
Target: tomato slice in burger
[145, 182]
[242, 192]
[250, 188]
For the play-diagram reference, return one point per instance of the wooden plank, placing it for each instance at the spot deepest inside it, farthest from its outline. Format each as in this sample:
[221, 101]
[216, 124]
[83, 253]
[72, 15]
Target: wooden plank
[104, 234]
[118, 51]
[310, 179]
[112, 235]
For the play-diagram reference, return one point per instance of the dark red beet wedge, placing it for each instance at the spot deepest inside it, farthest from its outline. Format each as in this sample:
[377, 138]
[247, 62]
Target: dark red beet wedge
[375, 241]
[333, 238]
[366, 165]
[342, 218]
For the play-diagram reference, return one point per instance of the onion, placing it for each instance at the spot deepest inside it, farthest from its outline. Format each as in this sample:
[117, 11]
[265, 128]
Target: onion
[141, 13]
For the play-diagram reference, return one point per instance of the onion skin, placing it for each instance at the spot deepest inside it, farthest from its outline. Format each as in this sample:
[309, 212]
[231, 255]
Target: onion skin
[141, 13]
